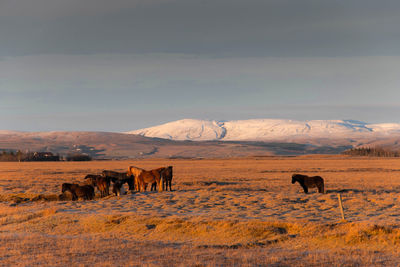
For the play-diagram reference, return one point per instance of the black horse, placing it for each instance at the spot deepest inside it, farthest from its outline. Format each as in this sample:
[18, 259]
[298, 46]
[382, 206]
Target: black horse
[309, 182]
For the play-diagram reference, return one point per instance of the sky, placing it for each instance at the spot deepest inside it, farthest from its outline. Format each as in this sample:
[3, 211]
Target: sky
[121, 65]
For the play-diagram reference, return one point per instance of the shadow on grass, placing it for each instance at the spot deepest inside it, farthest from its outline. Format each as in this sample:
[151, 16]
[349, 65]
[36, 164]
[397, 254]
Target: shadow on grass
[363, 191]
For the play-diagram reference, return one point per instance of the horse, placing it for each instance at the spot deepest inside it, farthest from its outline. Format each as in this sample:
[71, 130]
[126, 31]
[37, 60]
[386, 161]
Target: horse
[150, 177]
[78, 191]
[124, 177]
[135, 172]
[309, 182]
[102, 183]
[167, 179]
[118, 188]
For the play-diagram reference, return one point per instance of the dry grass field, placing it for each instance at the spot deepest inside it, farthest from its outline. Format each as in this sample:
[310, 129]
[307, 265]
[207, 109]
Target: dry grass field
[233, 212]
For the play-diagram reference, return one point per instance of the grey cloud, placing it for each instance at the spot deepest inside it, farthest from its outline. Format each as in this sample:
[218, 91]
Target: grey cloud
[53, 9]
[134, 82]
[153, 61]
[216, 28]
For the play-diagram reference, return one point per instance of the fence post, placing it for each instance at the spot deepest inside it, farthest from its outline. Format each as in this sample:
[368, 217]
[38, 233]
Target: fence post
[341, 206]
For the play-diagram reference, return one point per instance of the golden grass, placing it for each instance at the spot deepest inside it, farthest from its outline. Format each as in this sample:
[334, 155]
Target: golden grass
[221, 212]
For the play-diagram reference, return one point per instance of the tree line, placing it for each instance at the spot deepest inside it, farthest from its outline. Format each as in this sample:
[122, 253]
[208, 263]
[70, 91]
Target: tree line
[18, 155]
[372, 152]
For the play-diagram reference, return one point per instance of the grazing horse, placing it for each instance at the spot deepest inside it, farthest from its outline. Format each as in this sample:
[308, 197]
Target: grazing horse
[167, 179]
[150, 177]
[309, 182]
[78, 191]
[123, 177]
[102, 183]
[135, 172]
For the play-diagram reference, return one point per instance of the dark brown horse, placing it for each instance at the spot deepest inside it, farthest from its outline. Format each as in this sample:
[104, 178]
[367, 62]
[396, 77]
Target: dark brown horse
[117, 188]
[78, 191]
[122, 177]
[309, 182]
[102, 183]
[166, 178]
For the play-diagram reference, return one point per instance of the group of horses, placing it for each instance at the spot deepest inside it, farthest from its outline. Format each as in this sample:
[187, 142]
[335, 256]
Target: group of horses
[137, 179]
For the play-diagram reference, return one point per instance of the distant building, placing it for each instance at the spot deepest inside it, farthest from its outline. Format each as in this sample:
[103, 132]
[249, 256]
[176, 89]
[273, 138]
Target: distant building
[42, 156]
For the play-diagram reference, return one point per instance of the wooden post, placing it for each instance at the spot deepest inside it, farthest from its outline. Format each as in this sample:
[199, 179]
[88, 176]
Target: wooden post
[341, 206]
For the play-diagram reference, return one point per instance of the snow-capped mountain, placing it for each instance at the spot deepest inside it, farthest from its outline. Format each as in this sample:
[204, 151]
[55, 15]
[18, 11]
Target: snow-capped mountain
[267, 130]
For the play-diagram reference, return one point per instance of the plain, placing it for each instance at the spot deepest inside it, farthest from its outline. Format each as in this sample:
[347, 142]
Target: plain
[238, 211]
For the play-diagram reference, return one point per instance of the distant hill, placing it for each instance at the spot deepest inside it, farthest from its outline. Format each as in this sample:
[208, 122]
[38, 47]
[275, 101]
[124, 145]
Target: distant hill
[103, 145]
[197, 138]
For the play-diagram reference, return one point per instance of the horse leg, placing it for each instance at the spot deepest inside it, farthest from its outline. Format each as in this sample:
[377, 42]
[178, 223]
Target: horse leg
[305, 189]
[130, 184]
[137, 186]
[141, 186]
[107, 190]
[144, 187]
[158, 181]
[101, 192]
[321, 189]
[118, 189]
[160, 185]
[153, 186]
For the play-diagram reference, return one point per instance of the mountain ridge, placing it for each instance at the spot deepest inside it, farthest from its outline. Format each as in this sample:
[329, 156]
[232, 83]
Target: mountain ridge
[266, 130]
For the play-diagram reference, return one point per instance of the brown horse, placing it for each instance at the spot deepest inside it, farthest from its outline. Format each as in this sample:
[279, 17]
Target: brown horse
[309, 182]
[150, 177]
[117, 188]
[102, 183]
[135, 172]
[167, 179]
[123, 177]
[78, 191]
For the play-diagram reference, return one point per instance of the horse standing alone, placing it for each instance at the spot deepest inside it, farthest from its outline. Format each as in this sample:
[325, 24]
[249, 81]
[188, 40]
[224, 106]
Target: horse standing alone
[309, 182]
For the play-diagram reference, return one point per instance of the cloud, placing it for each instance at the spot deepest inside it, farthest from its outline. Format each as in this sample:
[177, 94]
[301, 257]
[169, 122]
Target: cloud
[55, 9]
[156, 79]
[225, 28]
[156, 59]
